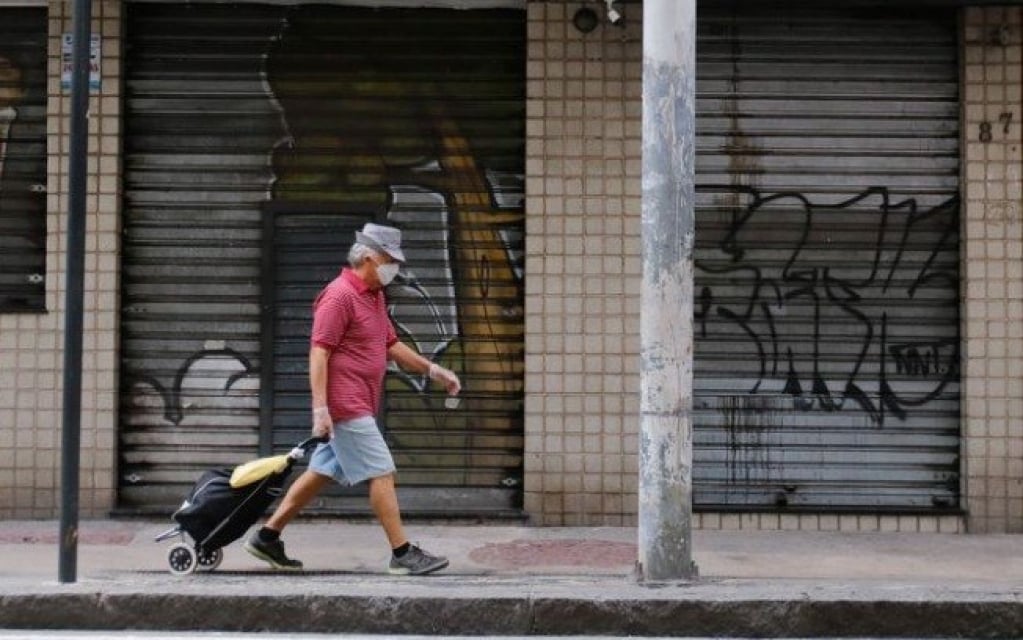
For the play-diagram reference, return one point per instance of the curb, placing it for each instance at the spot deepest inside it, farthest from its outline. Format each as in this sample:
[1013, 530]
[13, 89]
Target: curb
[760, 618]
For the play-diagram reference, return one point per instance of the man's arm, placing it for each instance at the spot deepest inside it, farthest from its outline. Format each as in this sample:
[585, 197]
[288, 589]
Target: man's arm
[409, 360]
[323, 425]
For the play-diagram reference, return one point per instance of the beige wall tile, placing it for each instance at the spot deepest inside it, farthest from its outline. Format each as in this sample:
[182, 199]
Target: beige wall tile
[33, 343]
[993, 266]
[585, 161]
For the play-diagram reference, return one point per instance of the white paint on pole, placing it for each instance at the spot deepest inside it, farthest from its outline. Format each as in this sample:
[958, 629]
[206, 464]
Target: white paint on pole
[666, 314]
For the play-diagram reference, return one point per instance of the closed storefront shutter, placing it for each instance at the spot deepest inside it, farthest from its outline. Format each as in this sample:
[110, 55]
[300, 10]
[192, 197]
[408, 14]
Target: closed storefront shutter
[261, 138]
[827, 360]
[22, 159]
[200, 126]
[412, 118]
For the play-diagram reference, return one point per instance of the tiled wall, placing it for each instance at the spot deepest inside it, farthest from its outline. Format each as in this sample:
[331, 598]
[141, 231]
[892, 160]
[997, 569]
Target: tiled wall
[583, 238]
[583, 185]
[583, 166]
[828, 522]
[31, 345]
[992, 260]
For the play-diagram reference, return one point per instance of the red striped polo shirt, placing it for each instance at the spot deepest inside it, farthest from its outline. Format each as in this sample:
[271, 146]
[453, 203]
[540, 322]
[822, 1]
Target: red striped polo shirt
[350, 321]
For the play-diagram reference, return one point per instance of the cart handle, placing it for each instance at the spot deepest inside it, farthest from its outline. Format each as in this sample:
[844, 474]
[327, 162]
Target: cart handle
[303, 447]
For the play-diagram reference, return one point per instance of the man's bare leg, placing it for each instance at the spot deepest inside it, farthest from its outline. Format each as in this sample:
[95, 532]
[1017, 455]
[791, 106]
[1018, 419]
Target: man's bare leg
[265, 543]
[406, 559]
[301, 493]
[383, 499]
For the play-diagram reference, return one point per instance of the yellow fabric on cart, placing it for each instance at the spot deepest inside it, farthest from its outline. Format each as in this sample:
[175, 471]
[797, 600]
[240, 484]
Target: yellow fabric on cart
[256, 470]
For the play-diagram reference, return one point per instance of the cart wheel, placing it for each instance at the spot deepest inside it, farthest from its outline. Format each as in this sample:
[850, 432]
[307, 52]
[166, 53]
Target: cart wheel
[209, 560]
[182, 559]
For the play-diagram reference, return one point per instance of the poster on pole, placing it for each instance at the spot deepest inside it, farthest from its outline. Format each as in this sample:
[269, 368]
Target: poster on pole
[67, 41]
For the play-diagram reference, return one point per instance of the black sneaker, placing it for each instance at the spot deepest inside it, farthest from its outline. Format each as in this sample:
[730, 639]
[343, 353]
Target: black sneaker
[416, 562]
[272, 552]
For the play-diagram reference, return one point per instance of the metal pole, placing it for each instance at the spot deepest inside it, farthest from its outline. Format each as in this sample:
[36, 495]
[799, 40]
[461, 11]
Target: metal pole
[71, 434]
[666, 310]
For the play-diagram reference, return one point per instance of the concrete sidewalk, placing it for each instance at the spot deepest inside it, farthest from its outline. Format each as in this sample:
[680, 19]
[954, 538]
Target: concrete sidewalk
[517, 580]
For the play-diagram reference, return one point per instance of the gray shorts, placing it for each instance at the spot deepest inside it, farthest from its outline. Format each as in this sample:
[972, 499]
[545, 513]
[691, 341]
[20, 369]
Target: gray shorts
[356, 453]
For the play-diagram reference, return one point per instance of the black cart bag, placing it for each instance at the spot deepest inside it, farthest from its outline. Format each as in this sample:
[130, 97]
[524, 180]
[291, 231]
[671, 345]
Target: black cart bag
[222, 506]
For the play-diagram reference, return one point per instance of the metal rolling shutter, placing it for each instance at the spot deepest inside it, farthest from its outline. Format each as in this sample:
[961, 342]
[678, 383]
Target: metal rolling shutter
[260, 138]
[200, 125]
[827, 362]
[22, 159]
[413, 118]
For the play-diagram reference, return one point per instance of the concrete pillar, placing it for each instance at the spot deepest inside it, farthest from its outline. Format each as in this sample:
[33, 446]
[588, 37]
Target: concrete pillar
[666, 316]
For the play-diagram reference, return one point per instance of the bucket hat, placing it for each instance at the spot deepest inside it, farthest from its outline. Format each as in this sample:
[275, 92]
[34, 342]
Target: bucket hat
[383, 239]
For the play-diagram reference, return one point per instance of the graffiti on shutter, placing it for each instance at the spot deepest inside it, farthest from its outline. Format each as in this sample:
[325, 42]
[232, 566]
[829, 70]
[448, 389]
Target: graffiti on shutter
[259, 138]
[827, 360]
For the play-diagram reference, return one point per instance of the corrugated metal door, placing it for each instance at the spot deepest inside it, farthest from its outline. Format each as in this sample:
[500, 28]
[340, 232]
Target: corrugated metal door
[827, 362]
[199, 130]
[261, 137]
[22, 159]
[413, 118]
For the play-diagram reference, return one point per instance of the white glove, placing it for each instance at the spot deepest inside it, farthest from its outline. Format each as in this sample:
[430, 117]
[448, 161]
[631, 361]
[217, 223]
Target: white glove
[323, 426]
[445, 377]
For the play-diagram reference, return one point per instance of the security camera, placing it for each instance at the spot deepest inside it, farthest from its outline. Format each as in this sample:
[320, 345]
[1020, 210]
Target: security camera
[614, 12]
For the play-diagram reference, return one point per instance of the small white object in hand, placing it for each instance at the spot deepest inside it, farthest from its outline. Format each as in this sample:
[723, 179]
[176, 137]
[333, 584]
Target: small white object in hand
[451, 402]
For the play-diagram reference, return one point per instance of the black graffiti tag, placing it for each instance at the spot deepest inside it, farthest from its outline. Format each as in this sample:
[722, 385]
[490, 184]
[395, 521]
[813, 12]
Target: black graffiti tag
[848, 302]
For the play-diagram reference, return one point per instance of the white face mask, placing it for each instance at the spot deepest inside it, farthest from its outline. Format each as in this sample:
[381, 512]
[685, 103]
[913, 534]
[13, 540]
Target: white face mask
[387, 272]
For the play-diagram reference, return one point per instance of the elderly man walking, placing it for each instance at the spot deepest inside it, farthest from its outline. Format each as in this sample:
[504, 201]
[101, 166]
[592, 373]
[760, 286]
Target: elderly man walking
[352, 340]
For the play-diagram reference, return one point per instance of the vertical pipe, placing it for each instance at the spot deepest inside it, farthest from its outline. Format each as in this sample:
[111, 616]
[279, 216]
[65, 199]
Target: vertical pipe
[73, 302]
[666, 313]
